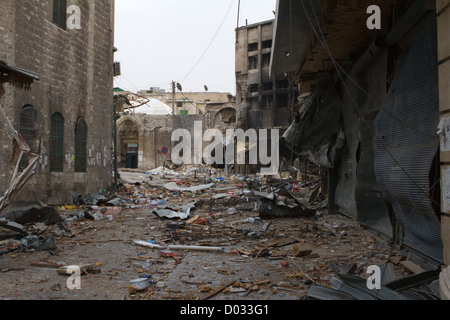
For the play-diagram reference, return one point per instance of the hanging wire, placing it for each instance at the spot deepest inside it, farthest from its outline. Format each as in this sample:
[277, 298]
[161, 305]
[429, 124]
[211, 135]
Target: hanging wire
[211, 42]
[325, 46]
[190, 102]
[341, 69]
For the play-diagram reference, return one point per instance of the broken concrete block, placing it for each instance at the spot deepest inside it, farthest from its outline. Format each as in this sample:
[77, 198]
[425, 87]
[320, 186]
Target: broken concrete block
[29, 212]
[301, 250]
[14, 226]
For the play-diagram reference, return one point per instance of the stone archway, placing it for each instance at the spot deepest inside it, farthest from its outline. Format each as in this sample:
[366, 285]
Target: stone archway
[128, 144]
[225, 119]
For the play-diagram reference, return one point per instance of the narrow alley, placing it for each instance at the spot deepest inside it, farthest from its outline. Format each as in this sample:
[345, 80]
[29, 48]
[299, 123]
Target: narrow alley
[224, 151]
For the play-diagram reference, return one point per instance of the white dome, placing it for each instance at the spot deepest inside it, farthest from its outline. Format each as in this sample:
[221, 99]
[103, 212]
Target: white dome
[154, 107]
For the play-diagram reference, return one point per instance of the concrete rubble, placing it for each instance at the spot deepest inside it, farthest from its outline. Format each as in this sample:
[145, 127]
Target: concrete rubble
[193, 234]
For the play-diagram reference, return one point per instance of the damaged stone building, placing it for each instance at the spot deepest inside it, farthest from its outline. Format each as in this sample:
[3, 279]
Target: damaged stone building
[142, 138]
[143, 133]
[263, 101]
[370, 107]
[66, 115]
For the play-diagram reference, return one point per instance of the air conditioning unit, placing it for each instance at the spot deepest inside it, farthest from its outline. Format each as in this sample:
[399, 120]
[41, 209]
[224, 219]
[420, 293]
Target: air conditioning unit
[116, 69]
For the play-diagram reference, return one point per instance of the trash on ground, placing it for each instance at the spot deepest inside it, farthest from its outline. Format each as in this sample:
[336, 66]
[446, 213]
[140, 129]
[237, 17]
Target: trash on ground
[29, 212]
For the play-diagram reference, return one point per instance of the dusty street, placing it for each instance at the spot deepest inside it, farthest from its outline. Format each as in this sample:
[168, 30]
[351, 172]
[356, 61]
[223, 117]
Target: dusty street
[226, 251]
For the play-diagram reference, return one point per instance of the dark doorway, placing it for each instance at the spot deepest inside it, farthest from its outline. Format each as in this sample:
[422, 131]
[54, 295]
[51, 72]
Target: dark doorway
[132, 161]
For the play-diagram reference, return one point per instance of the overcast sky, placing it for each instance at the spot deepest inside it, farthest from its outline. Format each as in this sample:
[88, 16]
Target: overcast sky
[164, 40]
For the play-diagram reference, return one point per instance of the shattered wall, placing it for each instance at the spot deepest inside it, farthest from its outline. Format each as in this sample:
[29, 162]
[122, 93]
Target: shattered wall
[221, 117]
[263, 101]
[76, 81]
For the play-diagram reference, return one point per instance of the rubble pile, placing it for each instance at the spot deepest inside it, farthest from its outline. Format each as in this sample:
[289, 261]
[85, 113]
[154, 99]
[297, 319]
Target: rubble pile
[235, 225]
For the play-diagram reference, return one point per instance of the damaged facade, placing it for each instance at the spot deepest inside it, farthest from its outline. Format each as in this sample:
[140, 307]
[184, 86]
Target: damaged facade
[66, 117]
[143, 132]
[369, 108]
[263, 101]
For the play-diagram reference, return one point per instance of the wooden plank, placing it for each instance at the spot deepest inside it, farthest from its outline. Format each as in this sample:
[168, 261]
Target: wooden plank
[219, 290]
[193, 219]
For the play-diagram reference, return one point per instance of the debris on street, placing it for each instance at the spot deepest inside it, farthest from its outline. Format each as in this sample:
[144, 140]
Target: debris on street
[241, 237]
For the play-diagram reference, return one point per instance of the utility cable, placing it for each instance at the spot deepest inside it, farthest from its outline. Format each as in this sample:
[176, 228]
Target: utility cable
[211, 42]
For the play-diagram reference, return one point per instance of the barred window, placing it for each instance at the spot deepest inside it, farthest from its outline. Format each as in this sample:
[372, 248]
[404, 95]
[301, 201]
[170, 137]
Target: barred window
[31, 128]
[57, 143]
[60, 13]
[80, 146]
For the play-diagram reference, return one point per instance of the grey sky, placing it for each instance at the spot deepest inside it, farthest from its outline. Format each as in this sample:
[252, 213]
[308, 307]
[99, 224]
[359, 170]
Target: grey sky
[163, 40]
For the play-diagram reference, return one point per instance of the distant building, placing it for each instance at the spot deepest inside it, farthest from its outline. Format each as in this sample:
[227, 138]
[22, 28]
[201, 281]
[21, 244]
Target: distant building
[185, 103]
[146, 126]
[262, 101]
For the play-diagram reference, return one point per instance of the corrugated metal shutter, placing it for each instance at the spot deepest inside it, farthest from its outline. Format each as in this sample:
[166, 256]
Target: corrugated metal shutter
[406, 141]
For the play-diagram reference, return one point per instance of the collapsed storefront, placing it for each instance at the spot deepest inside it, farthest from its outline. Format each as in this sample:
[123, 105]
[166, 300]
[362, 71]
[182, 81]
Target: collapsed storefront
[369, 112]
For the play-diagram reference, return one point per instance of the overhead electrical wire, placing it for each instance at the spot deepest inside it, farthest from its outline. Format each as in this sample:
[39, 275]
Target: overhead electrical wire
[190, 101]
[211, 42]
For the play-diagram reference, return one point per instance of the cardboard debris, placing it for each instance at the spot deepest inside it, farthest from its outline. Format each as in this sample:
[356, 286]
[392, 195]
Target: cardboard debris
[171, 214]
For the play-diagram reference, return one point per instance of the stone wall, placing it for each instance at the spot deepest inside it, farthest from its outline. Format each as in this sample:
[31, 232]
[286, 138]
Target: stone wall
[75, 67]
[151, 139]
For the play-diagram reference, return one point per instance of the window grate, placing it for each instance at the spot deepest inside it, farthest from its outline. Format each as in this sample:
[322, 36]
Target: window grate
[60, 13]
[57, 143]
[80, 146]
[30, 128]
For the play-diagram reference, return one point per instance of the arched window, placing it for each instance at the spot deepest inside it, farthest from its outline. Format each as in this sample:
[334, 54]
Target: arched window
[57, 143]
[80, 146]
[31, 128]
